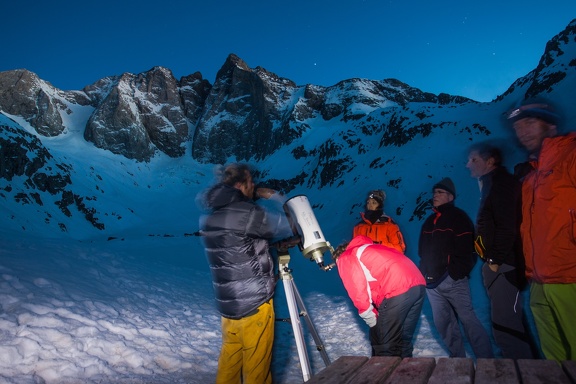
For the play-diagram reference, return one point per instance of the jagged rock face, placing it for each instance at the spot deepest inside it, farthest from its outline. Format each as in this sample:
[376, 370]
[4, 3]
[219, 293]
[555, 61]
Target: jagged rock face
[15, 148]
[23, 94]
[548, 73]
[193, 92]
[243, 114]
[250, 113]
[116, 127]
[22, 155]
[141, 113]
[247, 113]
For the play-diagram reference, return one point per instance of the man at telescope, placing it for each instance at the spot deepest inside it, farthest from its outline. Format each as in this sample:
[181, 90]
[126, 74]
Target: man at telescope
[236, 235]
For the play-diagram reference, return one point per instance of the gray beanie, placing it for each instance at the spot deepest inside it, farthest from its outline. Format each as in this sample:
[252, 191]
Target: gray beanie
[446, 184]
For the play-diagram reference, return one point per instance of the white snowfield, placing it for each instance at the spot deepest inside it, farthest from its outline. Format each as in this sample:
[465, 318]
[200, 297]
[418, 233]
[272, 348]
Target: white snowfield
[142, 311]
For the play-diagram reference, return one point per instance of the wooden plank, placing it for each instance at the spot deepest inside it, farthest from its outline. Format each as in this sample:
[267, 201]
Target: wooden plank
[496, 371]
[569, 367]
[413, 371]
[541, 372]
[376, 370]
[457, 370]
[339, 371]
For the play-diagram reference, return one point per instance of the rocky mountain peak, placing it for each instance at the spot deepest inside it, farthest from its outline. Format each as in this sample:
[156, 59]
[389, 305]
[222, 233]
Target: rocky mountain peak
[248, 114]
[22, 93]
[232, 63]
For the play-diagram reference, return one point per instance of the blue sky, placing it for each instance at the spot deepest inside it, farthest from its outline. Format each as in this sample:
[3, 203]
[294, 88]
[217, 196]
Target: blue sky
[469, 48]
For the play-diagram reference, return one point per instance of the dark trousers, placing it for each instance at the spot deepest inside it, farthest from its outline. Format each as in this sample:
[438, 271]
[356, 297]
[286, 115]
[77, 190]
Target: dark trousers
[451, 304]
[507, 313]
[397, 320]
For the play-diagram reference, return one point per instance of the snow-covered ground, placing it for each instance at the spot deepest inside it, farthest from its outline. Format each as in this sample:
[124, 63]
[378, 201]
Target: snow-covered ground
[141, 310]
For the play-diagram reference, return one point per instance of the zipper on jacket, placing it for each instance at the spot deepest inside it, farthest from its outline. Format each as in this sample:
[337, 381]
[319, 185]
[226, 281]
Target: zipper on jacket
[532, 210]
[572, 213]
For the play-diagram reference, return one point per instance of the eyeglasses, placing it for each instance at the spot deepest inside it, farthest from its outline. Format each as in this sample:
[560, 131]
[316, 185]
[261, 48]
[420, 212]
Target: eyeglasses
[439, 192]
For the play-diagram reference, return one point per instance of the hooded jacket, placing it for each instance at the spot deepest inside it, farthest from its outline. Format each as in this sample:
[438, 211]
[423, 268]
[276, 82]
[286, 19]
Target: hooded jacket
[549, 213]
[236, 236]
[446, 245]
[372, 272]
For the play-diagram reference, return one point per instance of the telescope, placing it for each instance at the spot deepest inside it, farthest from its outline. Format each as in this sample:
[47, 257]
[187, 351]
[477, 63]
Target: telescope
[304, 225]
[308, 236]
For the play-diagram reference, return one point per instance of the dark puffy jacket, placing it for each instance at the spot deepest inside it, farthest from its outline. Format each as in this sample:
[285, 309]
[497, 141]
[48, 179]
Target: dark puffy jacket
[236, 236]
[446, 245]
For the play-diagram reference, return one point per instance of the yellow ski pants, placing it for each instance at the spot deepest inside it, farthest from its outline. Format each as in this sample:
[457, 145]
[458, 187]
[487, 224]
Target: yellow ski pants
[246, 352]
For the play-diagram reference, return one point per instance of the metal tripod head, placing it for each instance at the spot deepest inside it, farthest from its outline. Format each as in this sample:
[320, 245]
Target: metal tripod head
[316, 251]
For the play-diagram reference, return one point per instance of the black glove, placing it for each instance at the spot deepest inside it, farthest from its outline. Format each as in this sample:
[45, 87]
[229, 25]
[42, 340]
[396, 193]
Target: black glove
[521, 170]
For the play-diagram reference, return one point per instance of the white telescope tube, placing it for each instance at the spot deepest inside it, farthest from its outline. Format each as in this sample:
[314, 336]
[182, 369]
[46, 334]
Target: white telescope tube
[305, 225]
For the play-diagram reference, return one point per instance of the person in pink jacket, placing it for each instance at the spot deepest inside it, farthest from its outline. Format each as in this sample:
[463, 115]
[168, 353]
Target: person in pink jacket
[388, 290]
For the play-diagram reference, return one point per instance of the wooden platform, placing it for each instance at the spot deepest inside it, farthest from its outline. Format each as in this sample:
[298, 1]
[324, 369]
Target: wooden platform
[428, 370]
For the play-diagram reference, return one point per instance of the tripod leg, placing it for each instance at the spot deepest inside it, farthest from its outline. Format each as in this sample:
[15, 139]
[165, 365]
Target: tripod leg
[297, 328]
[311, 328]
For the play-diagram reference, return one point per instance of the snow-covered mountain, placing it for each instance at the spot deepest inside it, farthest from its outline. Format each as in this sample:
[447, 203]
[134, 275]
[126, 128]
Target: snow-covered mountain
[123, 161]
[64, 152]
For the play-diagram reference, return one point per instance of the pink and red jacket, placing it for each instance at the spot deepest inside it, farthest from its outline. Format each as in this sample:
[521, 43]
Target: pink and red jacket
[373, 272]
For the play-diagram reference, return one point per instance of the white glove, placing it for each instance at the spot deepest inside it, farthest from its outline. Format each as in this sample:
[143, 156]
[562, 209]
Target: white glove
[369, 316]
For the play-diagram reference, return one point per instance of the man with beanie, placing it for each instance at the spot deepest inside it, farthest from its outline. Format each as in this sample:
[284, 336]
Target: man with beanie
[377, 225]
[548, 226]
[446, 249]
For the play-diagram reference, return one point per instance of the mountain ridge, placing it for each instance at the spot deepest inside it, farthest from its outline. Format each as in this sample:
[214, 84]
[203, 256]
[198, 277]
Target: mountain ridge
[62, 152]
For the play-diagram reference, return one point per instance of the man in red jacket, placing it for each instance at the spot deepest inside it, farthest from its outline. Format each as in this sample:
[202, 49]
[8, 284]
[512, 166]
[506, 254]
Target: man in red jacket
[387, 288]
[548, 226]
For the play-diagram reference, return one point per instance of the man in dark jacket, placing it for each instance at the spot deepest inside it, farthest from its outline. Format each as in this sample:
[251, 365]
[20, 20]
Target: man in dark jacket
[446, 249]
[498, 243]
[236, 235]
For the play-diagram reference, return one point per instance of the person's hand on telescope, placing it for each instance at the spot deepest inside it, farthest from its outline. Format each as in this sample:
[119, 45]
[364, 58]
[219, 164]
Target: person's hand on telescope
[265, 193]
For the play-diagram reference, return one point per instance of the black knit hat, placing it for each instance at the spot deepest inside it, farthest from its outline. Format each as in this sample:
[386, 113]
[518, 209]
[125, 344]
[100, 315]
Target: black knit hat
[446, 184]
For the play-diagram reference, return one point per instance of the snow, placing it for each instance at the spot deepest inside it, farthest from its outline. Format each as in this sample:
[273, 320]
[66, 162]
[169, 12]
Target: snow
[142, 310]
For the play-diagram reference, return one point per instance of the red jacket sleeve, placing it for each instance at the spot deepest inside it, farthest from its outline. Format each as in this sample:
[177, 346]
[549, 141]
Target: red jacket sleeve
[354, 281]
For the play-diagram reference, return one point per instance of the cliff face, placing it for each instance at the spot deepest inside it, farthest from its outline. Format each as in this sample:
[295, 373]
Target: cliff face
[248, 113]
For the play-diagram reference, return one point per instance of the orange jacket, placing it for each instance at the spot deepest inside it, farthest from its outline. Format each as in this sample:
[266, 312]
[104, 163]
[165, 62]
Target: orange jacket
[549, 213]
[384, 231]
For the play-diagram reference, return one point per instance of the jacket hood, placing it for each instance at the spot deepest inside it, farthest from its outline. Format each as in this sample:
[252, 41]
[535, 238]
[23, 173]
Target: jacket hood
[221, 195]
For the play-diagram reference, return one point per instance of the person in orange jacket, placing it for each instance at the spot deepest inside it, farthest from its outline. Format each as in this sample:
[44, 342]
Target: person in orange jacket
[387, 288]
[548, 226]
[377, 225]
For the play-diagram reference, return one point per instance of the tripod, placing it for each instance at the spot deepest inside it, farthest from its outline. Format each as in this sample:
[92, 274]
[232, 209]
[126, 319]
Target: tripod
[294, 301]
